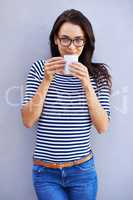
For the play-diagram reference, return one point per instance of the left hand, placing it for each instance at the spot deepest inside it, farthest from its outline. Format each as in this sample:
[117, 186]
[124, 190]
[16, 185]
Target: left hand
[80, 71]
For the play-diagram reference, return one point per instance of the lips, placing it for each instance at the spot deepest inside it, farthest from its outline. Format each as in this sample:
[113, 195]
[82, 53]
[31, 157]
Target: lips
[70, 53]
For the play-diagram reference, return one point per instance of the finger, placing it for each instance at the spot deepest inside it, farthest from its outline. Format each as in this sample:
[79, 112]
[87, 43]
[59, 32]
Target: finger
[75, 64]
[76, 75]
[59, 71]
[55, 63]
[78, 67]
[77, 71]
[54, 59]
[54, 67]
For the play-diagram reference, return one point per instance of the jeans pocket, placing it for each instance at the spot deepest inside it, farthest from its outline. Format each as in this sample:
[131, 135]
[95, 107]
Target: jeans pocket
[37, 169]
[86, 166]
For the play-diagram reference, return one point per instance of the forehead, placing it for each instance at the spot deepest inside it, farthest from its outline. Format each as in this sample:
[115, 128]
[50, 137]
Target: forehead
[71, 30]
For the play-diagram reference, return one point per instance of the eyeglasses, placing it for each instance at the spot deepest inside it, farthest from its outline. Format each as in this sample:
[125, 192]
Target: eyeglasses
[66, 41]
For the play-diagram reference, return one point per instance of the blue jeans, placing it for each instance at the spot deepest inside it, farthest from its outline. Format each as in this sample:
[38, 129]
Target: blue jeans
[71, 183]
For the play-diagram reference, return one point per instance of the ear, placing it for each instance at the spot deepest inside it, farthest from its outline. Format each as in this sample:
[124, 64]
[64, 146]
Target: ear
[55, 39]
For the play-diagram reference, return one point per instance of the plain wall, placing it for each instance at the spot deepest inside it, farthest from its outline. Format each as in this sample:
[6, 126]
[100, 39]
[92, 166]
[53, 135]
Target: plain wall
[24, 30]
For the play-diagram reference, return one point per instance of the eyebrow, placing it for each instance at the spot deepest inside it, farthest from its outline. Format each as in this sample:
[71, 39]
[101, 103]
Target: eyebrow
[80, 36]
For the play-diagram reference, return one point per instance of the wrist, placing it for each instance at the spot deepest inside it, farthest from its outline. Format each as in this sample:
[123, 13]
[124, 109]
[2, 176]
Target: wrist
[46, 82]
[87, 85]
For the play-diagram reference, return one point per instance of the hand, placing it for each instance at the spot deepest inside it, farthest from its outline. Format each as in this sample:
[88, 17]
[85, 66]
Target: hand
[80, 71]
[52, 66]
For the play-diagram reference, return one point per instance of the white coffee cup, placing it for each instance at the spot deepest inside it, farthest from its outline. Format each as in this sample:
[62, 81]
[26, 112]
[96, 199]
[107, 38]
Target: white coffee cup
[69, 59]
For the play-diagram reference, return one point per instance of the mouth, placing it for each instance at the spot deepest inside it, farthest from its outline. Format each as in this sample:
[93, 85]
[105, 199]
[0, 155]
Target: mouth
[71, 53]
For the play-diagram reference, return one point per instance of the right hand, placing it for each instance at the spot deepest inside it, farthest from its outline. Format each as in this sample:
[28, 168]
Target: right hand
[52, 66]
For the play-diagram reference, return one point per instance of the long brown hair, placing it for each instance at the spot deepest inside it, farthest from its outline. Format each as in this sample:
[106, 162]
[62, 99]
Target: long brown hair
[98, 70]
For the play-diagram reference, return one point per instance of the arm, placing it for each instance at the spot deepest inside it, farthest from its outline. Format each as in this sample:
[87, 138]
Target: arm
[98, 114]
[31, 111]
[36, 90]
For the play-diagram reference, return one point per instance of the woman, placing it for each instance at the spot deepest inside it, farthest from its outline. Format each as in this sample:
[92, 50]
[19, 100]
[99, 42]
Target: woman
[66, 106]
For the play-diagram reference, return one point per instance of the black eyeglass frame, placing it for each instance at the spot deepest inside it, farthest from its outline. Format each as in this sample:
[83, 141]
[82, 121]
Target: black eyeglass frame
[71, 41]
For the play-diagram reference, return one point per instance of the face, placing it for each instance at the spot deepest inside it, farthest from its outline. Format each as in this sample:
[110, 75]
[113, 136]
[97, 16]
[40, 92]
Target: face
[70, 31]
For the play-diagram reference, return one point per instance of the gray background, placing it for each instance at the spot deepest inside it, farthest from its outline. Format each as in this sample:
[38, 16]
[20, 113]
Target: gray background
[24, 30]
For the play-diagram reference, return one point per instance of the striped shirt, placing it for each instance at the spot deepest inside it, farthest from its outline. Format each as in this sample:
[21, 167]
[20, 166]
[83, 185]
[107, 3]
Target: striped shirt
[64, 126]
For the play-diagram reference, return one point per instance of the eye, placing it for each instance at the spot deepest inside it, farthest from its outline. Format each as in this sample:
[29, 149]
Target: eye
[65, 40]
[79, 40]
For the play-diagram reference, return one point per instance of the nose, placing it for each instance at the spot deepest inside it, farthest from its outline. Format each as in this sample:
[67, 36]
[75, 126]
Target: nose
[72, 46]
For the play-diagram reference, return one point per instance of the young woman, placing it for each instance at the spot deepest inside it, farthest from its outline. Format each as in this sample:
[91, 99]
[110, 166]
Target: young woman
[66, 106]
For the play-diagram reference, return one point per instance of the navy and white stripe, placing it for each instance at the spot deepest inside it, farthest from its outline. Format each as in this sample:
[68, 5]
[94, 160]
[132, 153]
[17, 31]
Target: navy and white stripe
[64, 127]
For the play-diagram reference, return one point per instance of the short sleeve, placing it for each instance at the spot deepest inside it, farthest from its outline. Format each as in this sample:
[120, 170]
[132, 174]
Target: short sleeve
[33, 81]
[104, 97]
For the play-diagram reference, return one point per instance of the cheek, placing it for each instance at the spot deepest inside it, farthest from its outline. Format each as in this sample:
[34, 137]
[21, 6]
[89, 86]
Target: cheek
[61, 50]
[80, 51]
